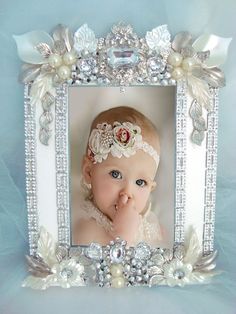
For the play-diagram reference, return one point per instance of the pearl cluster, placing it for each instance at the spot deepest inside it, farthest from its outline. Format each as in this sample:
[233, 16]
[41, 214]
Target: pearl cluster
[62, 63]
[181, 66]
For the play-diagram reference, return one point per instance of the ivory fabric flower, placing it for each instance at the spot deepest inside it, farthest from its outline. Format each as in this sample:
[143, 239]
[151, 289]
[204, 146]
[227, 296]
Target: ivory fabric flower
[68, 273]
[121, 139]
[126, 139]
[177, 273]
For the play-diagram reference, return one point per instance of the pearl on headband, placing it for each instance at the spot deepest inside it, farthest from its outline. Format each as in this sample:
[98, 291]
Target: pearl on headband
[119, 139]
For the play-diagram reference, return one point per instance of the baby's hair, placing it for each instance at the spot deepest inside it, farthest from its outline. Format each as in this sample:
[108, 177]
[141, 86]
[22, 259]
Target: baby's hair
[128, 114]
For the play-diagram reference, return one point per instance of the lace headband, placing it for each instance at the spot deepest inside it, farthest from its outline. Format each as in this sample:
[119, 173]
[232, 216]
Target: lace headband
[119, 139]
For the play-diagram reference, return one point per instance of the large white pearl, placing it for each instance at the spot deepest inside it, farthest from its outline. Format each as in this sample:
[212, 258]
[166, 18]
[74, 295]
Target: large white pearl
[64, 72]
[55, 60]
[118, 282]
[175, 59]
[116, 270]
[177, 74]
[188, 64]
[69, 58]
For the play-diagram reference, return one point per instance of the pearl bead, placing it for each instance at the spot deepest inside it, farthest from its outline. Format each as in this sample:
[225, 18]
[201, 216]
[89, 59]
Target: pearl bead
[175, 59]
[55, 60]
[118, 282]
[116, 270]
[64, 72]
[69, 58]
[188, 64]
[177, 74]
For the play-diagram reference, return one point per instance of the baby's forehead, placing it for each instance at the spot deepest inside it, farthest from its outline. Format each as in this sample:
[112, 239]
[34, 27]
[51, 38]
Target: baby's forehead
[140, 163]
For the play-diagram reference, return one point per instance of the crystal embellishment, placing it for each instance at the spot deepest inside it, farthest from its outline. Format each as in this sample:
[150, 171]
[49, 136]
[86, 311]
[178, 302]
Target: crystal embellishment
[122, 57]
[142, 251]
[94, 251]
[117, 253]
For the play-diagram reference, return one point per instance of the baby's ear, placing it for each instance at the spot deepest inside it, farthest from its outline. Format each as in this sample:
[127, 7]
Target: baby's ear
[86, 169]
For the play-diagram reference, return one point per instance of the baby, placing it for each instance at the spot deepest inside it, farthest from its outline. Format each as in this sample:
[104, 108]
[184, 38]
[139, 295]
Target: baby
[118, 174]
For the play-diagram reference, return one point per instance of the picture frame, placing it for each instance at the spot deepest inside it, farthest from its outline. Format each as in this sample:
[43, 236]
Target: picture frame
[54, 65]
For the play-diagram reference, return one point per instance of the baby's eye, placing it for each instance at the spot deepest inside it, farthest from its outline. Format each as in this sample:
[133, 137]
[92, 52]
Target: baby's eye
[141, 182]
[116, 174]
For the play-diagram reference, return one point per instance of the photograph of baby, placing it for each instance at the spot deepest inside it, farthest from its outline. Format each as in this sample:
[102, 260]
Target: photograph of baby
[115, 167]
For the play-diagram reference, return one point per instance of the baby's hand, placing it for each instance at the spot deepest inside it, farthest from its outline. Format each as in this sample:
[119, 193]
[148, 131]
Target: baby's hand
[127, 219]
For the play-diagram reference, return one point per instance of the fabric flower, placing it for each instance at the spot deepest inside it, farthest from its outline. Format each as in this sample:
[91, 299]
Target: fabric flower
[100, 141]
[177, 273]
[126, 139]
[68, 273]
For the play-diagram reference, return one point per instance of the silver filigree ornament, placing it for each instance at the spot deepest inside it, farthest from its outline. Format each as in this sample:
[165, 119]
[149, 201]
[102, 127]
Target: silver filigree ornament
[196, 62]
[199, 124]
[46, 118]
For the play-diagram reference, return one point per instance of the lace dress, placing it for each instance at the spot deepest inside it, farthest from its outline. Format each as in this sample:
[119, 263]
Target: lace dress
[149, 229]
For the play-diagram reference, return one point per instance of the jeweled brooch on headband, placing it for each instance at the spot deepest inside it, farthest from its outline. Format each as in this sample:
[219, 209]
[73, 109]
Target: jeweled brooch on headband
[119, 139]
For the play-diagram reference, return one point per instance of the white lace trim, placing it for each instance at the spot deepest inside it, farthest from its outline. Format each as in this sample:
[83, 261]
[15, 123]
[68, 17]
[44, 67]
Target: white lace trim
[149, 229]
[88, 211]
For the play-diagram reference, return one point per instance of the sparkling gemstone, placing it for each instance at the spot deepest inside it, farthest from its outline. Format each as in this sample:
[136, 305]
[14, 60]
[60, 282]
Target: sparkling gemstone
[87, 65]
[66, 273]
[142, 251]
[94, 251]
[84, 66]
[138, 278]
[178, 274]
[117, 253]
[122, 57]
[156, 65]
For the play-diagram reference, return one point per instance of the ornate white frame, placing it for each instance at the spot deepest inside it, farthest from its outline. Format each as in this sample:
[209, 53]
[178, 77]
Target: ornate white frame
[191, 260]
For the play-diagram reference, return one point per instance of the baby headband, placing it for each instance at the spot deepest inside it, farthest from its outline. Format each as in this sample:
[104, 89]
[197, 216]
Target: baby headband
[119, 139]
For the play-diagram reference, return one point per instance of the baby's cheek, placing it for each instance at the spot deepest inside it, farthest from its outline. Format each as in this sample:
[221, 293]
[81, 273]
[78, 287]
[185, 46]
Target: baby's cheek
[103, 189]
[142, 200]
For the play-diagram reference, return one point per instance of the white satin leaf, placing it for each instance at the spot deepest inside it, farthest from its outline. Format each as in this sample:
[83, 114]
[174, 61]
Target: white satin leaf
[218, 47]
[159, 39]
[47, 247]
[36, 282]
[41, 85]
[193, 249]
[26, 46]
[84, 39]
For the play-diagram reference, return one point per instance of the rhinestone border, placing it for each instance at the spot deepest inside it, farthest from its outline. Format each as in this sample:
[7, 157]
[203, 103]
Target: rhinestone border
[62, 167]
[62, 164]
[30, 170]
[210, 174]
[180, 170]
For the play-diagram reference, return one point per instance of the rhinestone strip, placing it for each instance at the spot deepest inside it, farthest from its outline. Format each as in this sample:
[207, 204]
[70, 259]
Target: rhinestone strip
[180, 171]
[210, 174]
[62, 165]
[30, 170]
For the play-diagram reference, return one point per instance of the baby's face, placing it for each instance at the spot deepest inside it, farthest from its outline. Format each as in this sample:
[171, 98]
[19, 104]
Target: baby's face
[115, 177]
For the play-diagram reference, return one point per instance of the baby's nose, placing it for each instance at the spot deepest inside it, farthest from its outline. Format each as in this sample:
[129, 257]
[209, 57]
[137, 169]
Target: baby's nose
[127, 190]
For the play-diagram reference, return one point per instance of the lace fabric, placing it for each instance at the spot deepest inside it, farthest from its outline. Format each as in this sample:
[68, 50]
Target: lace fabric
[149, 229]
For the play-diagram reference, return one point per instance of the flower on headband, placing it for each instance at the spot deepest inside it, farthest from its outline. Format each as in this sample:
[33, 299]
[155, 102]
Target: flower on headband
[100, 142]
[126, 136]
[121, 139]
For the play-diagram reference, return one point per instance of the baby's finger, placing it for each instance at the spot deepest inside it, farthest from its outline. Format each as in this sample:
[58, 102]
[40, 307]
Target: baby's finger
[131, 203]
[124, 199]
